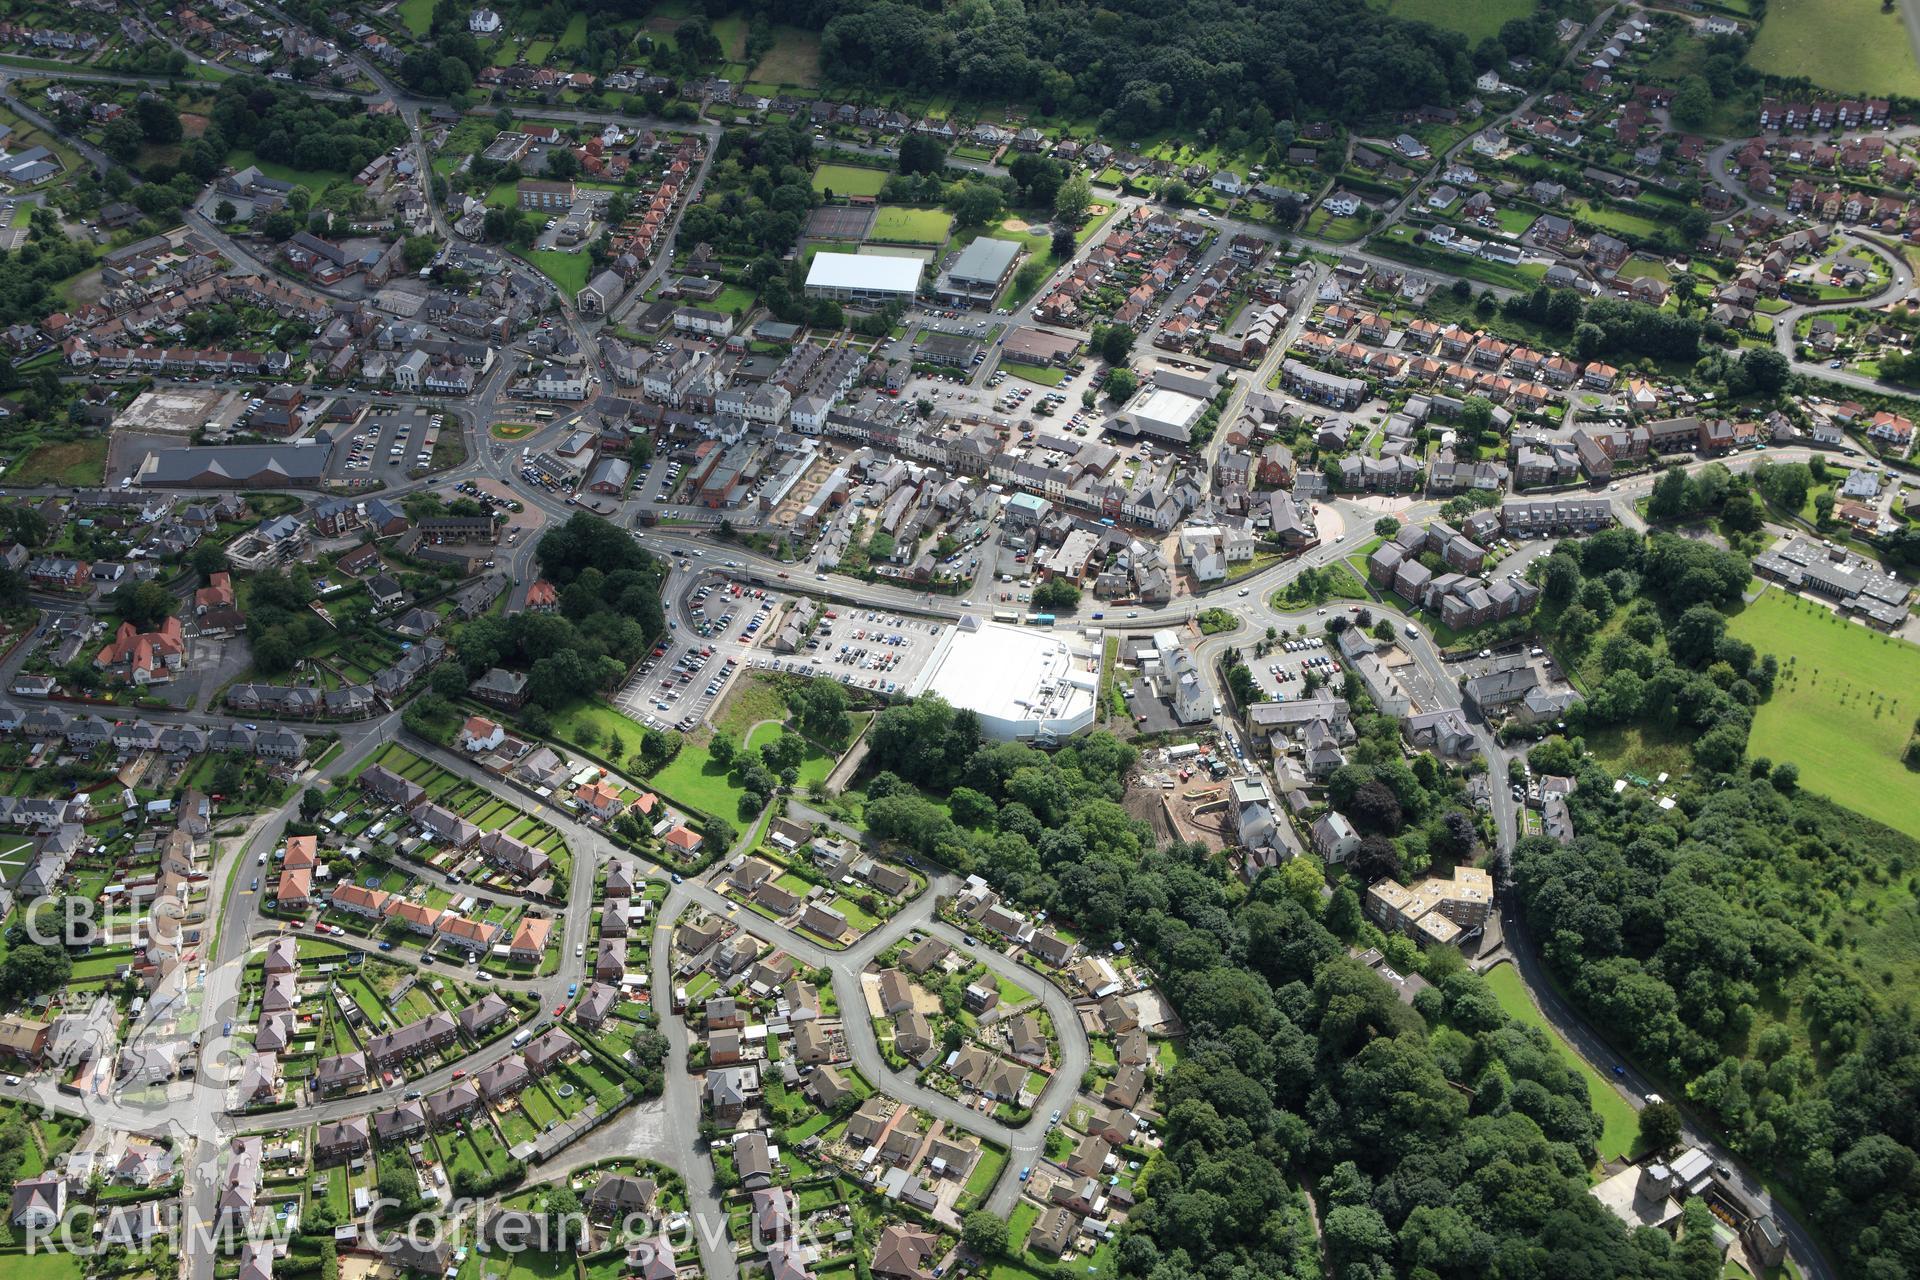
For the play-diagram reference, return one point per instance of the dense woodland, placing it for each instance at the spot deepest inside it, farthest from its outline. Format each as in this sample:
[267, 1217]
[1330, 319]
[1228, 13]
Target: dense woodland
[1142, 65]
[1720, 943]
[285, 126]
[1440, 1140]
[1640, 619]
[610, 615]
[1734, 945]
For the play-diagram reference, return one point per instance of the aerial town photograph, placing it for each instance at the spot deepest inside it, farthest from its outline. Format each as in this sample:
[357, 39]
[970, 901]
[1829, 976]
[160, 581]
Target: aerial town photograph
[1017, 639]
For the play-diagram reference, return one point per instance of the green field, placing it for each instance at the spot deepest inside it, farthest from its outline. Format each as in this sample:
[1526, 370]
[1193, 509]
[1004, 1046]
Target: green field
[901, 225]
[1842, 709]
[417, 15]
[575, 36]
[848, 180]
[602, 724]
[1046, 377]
[15, 852]
[568, 270]
[814, 768]
[1621, 1121]
[1475, 20]
[793, 60]
[76, 462]
[694, 779]
[314, 180]
[1627, 224]
[46, 1264]
[1844, 45]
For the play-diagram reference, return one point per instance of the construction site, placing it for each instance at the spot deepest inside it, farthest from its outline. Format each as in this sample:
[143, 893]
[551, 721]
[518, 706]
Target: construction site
[1186, 793]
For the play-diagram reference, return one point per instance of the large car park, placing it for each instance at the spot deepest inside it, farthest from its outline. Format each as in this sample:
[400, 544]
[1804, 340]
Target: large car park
[388, 443]
[869, 649]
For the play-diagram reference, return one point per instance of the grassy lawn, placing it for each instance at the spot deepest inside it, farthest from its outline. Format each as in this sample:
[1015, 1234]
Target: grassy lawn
[901, 225]
[753, 698]
[695, 779]
[1327, 227]
[813, 768]
[1842, 708]
[1474, 21]
[595, 725]
[986, 1172]
[1631, 224]
[315, 180]
[847, 180]
[1046, 377]
[46, 1264]
[538, 1106]
[1622, 1123]
[513, 430]
[1838, 44]
[1643, 268]
[575, 36]
[77, 462]
[568, 270]
[417, 14]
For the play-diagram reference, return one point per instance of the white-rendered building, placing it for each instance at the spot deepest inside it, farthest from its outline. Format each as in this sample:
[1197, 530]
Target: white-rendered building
[1177, 677]
[1025, 684]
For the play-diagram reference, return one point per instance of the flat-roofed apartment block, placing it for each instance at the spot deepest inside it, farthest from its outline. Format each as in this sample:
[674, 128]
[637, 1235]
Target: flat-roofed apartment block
[541, 194]
[1437, 909]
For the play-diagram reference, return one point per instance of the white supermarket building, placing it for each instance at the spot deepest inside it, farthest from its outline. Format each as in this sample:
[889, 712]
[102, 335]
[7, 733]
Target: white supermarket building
[1025, 683]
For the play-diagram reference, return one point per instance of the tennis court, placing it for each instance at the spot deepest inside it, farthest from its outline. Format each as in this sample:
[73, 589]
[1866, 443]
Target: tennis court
[840, 222]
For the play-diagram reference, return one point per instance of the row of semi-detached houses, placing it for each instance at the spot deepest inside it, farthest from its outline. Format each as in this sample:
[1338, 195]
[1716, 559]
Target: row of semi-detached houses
[286, 300]
[90, 732]
[530, 937]
[166, 359]
[458, 1100]
[388, 686]
[1555, 373]
[1788, 116]
[443, 825]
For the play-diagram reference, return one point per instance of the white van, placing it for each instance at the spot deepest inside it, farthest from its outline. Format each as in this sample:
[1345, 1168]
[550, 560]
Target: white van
[522, 1038]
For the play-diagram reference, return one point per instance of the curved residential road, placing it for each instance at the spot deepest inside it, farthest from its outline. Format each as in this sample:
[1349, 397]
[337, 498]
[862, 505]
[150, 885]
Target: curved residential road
[1899, 285]
[1025, 1142]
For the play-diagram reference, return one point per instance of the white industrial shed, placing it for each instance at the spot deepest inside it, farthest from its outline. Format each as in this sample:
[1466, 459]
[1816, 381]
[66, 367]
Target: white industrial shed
[863, 277]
